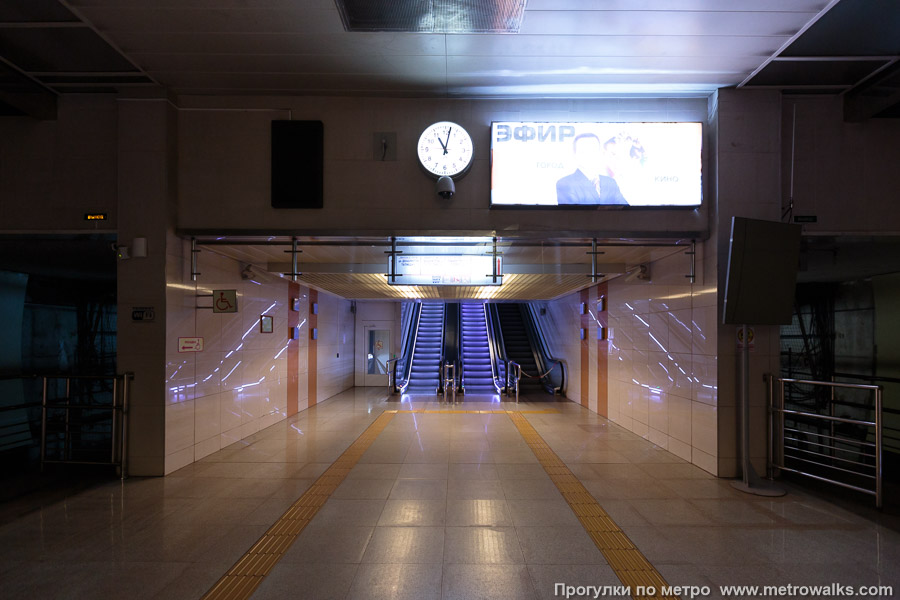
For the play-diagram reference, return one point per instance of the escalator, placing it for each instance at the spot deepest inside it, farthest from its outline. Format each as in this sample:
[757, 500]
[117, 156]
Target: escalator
[517, 344]
[478, 374]
[426, 358]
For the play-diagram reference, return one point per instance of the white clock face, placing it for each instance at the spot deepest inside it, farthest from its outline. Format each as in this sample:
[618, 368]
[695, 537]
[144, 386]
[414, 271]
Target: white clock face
[445, 148]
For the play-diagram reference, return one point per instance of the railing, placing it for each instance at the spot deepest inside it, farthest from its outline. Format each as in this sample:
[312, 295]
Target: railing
[392, 376]
[409, 344]
[18, 422]
[448, 379]
[557, 383]
[69, 423]
[489, 328]
[889, 428]
[513, 377]
[843, 456]
[498, 348]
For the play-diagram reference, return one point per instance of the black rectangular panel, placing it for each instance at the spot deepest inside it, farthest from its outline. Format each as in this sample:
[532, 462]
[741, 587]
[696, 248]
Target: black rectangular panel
[762, 272]
[297, 164]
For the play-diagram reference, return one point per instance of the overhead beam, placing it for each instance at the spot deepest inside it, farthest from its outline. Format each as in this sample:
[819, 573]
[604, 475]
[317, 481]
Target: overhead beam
[508, 269]
[868, 100]
[25, 93]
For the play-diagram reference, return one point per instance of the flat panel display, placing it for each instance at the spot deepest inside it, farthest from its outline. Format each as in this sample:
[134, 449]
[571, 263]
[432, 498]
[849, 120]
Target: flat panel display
[297, 164]
[762, 272]
[589, 165]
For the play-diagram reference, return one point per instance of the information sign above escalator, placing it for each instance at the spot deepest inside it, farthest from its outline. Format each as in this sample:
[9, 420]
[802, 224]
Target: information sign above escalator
[447, 270]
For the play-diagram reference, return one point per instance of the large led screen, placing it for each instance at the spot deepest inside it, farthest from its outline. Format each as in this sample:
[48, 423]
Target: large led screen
[595, 164]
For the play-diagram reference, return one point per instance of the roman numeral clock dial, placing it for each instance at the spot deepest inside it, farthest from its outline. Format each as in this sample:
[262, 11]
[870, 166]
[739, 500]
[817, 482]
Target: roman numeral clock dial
[445, 150]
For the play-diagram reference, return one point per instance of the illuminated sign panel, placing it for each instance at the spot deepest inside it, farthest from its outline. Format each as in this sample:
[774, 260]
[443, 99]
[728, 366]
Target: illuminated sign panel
[446, 270]
[596, 164]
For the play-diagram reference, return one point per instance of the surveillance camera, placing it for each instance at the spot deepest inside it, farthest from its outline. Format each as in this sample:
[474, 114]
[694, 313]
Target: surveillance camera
[445, 188]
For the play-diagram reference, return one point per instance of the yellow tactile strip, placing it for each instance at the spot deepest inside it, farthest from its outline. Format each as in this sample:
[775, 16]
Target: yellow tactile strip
[242, 579]
[629, 565]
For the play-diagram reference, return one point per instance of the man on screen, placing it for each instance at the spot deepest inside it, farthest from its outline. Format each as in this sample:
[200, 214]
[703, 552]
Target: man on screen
[589, 185]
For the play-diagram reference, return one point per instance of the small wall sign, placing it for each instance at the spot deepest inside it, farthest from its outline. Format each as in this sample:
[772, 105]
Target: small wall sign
[143, 314]
[266, 324]
[224, 301]
[190, 344]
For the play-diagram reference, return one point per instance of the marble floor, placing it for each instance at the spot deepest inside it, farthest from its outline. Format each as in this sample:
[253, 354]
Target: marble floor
[447, 506]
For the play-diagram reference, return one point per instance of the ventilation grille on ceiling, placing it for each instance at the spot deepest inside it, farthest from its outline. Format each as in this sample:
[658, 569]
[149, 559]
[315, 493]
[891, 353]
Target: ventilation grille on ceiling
[433, 16]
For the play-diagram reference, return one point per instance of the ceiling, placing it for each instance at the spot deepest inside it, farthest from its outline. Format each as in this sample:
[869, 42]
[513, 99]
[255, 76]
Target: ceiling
[563, 48]
[357, 267]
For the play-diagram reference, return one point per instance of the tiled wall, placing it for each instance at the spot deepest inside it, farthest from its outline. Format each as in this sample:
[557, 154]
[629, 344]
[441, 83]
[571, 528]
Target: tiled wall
[662, 360]
[336, 341]
[662, 368]
[239, 383]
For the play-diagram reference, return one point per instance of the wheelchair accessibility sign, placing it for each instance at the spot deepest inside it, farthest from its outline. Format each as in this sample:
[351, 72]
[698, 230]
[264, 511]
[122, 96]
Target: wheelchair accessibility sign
[224, 301]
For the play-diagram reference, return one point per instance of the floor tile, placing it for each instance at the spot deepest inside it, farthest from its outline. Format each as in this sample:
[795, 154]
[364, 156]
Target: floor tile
[319, 581]
[412, 545]
[466, 513]
[379, 581]
[328, 544]
[558, 545]
[482, 545]
[419, 489]
[536, 513]
[418, 513]
[487, 582]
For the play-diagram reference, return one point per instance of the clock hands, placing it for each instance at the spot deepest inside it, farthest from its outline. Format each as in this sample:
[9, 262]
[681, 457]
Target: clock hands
[442, 145]
[447, 143]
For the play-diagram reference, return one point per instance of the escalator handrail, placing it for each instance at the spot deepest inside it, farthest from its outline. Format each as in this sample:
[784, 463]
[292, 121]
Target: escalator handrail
[410, 345]
[498, 346]
[539, 348]
[489, 327]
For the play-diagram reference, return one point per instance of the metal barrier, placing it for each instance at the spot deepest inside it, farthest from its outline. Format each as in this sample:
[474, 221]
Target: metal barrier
[448, 374]
[392, 376]
[64, 419]
[799, 444]
[513, 377]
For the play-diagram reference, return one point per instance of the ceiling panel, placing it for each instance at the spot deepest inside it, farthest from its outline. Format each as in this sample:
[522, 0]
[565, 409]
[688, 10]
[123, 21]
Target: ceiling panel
[277, 44]
[511, 66]
[613, 45]
[581, 22]
[853, 28]
[313, 83]
[34, 11]
[815, 73]
[566, 48]
[151, 18]
[293, 64]
[677, 5]
[44, 49]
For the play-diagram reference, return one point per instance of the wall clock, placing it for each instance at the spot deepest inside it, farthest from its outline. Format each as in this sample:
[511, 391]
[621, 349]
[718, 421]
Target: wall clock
[445, 150]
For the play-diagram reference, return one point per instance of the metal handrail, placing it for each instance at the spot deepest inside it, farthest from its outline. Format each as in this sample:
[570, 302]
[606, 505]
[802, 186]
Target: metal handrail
[416, 317]
[118, 409]
[489, 329]
[392, 375]
[511, 366]
[498, 346]
[541, 350]
[448, 377]
[778, 451]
